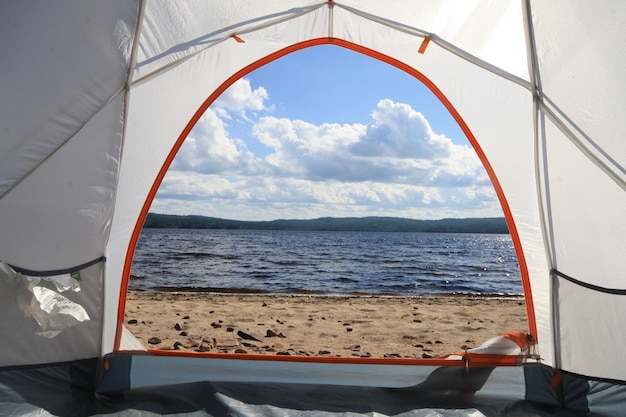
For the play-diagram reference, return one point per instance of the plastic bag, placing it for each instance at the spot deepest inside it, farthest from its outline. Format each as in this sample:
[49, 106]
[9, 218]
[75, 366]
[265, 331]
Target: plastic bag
[51, 311]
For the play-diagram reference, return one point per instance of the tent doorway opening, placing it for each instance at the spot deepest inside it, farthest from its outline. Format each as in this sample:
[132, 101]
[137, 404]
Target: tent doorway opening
[365, 266]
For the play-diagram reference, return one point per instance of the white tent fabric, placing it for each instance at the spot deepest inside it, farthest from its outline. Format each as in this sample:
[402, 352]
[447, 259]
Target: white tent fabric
[96, 96]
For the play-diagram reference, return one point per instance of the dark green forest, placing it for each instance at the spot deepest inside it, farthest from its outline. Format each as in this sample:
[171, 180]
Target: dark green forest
[356, 224]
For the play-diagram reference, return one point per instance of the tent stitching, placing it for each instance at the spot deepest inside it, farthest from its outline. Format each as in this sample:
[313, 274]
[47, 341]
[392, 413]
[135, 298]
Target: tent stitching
[226, 37]
[569, 133]
[442, 43]
[60, 145]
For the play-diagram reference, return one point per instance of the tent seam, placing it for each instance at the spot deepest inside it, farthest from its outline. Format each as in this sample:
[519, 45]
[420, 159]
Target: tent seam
[60, 145]
[569, 133]
[226, 37]
[127, 87]
[442, 43]
[543, 201]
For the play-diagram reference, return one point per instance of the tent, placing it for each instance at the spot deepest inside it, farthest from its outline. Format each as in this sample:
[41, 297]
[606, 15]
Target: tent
[98, 96]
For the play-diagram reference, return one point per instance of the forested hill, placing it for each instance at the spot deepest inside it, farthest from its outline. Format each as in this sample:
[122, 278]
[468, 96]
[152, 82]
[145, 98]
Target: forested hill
[360, 224]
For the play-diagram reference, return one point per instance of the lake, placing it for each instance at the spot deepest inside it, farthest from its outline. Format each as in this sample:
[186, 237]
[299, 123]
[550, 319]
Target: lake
[306, 262]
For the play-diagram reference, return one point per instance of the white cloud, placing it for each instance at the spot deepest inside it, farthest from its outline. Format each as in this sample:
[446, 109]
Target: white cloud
[304, 150]
[396, 166]
[401, 132]
[209, 149]
[399, 146]
[240, 98]
[266, 198]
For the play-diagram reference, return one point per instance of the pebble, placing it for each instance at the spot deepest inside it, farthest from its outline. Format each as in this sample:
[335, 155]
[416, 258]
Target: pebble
[203, 348]
[272, 333]
[247, 336]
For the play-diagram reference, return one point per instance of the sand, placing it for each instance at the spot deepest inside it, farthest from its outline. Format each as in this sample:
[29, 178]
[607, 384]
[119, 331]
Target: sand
[346, 326]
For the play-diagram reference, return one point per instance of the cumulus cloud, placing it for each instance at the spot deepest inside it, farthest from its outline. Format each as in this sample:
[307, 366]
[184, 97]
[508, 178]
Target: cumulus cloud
[395, 165]
[210, 148]
[240, 99]
[398, 146]
[401, 132]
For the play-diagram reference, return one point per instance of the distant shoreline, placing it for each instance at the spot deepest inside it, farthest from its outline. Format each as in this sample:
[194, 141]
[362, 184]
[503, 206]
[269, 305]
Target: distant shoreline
[489, 225]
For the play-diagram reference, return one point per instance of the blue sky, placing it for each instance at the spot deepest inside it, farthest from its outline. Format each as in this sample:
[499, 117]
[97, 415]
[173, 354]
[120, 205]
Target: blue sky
[327, 132]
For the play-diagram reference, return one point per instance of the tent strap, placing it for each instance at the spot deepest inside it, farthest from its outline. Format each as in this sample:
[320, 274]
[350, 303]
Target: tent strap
[50, 273]
[614, 291]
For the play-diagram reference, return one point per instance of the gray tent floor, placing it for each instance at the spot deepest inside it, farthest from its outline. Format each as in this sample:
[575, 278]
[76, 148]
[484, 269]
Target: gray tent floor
[67, 390]
[244, 399]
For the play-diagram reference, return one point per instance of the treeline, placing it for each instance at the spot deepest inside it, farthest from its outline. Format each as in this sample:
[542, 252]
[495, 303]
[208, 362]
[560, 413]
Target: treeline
[357, 224]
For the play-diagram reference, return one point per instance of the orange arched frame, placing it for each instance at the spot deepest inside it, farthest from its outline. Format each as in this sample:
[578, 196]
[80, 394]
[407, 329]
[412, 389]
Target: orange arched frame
[365, 51]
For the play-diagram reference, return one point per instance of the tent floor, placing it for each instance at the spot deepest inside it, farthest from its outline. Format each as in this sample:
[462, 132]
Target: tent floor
[246, 399]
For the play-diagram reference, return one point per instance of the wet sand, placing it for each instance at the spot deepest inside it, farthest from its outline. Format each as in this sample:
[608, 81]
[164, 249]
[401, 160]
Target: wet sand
[345, 326]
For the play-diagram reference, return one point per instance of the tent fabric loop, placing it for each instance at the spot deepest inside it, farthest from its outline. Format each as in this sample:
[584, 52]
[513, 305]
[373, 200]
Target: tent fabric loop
[424, 45]
[237, 38]
[54, 272]
[556, 379]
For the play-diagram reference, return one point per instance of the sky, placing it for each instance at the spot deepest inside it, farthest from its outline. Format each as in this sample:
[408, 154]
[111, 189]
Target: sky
[327, 132]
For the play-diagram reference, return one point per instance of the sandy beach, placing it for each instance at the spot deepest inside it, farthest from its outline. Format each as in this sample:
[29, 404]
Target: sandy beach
[356, 326]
